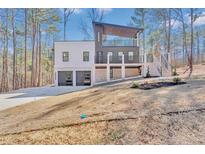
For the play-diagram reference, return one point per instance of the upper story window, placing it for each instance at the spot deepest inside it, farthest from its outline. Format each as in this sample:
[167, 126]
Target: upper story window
[130, 55]
[85, 56]
[65, 56]
[112, 40]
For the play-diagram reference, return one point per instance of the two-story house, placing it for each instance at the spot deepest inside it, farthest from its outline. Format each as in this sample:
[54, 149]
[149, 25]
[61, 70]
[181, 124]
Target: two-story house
[116, 52]
[112, 55]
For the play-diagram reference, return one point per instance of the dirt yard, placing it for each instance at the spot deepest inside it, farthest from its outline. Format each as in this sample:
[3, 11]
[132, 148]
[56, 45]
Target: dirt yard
[116, 114]
[198, 70]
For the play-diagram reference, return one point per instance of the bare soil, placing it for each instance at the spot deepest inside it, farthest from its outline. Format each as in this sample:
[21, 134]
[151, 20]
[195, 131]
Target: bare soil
[198, 70]
[116, 114]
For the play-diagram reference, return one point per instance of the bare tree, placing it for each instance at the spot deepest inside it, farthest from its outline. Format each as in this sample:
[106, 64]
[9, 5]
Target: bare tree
[39, 59]
[17, 37]
[194, 14]
[85, 29]
[14, 48]
[93, 14]
[190, 58]
[4, 79]
[96, 14]
[139, 20]
[25, 48]
[197, 46]
[169, 31]
[180, 17]
[66, 13]
[33, 18]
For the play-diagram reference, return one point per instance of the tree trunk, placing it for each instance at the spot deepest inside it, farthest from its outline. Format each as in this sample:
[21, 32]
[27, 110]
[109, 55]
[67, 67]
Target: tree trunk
[64, 24]
[169, 43]
[33, 48]
[143, 26]
[169, 31]
[184, 42]
[14, 50]
[184, 36]
[25, 51]
[198, 48]
[191, 51]
[36, 54]
[4, 79]
[39, 62]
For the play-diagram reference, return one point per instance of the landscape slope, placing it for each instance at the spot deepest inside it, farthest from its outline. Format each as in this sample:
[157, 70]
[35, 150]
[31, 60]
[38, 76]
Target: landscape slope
[115, 114]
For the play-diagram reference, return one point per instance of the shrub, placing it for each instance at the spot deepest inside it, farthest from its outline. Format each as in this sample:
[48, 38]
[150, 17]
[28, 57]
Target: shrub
[174, 73]
[135, 85]
[176, 80]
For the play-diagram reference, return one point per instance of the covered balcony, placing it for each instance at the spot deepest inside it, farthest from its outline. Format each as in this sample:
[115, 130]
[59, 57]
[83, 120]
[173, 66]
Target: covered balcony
[116, 41]
[110, 35]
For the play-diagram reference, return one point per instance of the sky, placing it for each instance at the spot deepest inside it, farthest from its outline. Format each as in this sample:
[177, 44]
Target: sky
[119, 16]
[114, 16]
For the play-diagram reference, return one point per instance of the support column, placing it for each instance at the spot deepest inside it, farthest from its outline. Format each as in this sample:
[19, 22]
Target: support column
[56, 78]
[108, 67]
[108, 72]
[93, 76]
[123, 67]
[74, 78]
[138, 39]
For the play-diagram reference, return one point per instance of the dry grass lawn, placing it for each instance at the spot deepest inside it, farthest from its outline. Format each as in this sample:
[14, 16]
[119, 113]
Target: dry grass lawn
[116, 114]
[198, 70]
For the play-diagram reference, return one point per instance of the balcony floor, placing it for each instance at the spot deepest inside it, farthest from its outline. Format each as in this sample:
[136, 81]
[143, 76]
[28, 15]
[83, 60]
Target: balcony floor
[120, 64]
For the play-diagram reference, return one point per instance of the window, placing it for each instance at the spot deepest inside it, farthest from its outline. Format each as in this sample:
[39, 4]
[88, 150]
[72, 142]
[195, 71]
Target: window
[65, 56]
[85, 56]
[114, 40]
[130, 55]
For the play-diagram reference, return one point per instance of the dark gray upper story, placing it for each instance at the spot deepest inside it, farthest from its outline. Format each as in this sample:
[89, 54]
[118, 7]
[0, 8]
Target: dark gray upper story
[116, 39]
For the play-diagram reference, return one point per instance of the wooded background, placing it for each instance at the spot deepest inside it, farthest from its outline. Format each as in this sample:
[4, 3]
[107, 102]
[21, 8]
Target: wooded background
[27, 37]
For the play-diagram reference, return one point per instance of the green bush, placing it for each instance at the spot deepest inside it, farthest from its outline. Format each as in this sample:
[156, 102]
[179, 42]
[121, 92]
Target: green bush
[176, 80]
[135, 85]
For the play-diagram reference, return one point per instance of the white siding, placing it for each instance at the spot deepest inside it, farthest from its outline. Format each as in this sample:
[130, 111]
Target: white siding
[75, 50]
[75, 63]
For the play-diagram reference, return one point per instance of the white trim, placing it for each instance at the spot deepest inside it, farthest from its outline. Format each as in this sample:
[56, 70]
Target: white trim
[112, 64]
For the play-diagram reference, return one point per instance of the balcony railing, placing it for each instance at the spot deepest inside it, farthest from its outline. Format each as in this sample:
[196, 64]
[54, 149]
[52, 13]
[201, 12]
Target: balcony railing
[102, 59]
[120, 43]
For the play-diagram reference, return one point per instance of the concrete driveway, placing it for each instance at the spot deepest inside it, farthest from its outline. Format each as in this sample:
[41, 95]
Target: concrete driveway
[22, 96]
